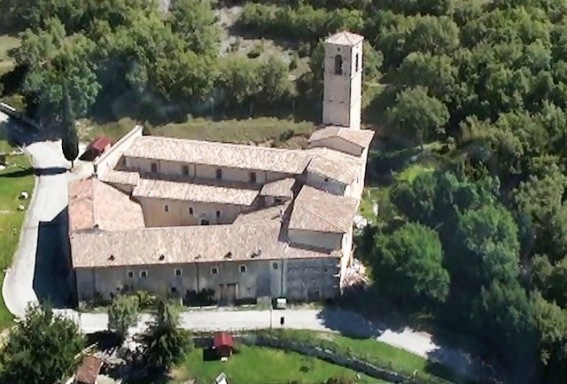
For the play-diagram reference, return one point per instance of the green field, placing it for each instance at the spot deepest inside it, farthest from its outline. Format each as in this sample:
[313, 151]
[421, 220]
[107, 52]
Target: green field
[257, 365]
[372, 351]
[16, 178]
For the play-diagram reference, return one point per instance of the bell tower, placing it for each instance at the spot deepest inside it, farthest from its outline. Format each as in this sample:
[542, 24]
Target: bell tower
[342, 82]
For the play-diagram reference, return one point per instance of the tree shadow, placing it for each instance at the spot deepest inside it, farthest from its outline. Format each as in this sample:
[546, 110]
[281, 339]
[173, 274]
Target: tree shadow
[17, 173]
[53, 277]
[52, 171]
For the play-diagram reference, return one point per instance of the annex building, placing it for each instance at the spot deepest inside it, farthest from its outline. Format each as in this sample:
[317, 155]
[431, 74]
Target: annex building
[175, 216]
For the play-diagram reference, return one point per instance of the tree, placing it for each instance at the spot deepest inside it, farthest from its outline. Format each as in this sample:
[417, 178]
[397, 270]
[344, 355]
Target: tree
[165, 344]
[196, 23]
[41, 348]
[122, 314]
[407, 265]
[70, 140]
[417, 116]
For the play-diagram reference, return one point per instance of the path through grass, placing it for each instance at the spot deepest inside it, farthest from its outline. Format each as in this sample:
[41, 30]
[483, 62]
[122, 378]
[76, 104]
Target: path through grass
[16, 178]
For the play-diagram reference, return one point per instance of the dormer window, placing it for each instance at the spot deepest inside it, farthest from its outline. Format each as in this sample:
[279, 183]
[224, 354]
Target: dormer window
[338, 65]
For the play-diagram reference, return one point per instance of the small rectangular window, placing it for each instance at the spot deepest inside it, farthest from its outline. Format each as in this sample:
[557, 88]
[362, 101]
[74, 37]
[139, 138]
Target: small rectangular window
[178, 272]
[243, 269]
[173, 290]
[190, 210]
[219, 174]
[130, 274]
[143, 274]
[166, 208]
[214, 270]
[218, 214]
[275, 266]
[154, 167]
[253, 177]
[185, 170]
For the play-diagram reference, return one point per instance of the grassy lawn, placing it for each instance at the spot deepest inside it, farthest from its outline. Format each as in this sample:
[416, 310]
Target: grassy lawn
[258, 130]
[6, 44]
[257, 365]
[373, 351]
[16, 178]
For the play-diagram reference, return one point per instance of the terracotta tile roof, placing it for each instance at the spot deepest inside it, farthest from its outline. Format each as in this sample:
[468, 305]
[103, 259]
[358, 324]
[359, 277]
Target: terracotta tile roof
[100, 143]
[191, 191]
[345, 38]
[88, 370]
[359, 137]
[279, 188]
[180, 245]
[92, 203]
[120, 177]
[266, 215]
[334, 164]
[219, 154]
[315, 210]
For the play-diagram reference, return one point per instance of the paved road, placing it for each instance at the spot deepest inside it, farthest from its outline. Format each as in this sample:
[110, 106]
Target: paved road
[39, 271]
[330, 320]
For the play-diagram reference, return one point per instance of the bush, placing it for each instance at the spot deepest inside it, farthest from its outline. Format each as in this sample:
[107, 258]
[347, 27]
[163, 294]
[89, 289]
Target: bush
[255, 52]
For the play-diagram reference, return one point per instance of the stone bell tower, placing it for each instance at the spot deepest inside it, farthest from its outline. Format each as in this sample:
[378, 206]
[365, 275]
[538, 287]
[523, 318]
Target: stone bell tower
[342, 94]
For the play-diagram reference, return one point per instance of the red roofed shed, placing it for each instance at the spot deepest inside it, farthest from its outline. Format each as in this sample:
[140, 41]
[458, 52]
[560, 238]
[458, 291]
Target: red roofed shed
[223, 344]
[100, 144]
[88, 371]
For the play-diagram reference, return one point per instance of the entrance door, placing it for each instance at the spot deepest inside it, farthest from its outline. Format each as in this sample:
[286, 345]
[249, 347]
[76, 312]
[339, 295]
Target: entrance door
[227, 294]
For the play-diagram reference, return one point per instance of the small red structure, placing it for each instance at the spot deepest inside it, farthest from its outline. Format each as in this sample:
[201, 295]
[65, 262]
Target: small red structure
[223, 344]
[88, 371]
[96, 148]
[100, 144]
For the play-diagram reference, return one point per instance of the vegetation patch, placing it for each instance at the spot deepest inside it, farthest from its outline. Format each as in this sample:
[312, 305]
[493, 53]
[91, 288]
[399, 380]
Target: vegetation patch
[372, 351]
[258, 365]
[16, 178]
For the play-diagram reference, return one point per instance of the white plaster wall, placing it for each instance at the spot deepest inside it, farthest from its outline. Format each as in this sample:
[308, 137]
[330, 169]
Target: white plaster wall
[326, 184]
[110, 158]
[178, 213]
[342, 94]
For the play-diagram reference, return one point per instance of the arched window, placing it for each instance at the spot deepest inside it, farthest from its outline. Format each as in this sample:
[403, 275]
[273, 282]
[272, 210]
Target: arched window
[338, 65]
[356, 63]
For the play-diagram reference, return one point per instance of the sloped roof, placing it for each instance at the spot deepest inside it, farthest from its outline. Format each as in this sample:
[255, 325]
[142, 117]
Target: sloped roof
[345, 38]
[318, 211]
[221, 155]
[192, 191]
[179, 245]
[94, 204]
[88, 370]
[360, 137]
[279, 188]
[334, 164]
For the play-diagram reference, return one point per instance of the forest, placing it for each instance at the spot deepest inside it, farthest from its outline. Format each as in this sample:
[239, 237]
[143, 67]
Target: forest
[477, 89]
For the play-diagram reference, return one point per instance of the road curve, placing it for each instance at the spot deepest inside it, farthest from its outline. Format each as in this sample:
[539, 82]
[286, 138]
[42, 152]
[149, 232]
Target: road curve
[49, 198]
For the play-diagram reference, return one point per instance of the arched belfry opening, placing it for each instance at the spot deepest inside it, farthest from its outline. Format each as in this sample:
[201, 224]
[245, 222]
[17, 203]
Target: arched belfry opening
[338, 65]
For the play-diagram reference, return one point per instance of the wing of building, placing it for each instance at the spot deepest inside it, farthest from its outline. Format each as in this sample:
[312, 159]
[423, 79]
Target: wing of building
[177, 217]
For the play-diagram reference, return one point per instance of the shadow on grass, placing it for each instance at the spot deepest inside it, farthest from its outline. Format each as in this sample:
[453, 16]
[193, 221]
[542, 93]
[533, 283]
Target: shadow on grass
[17, 173]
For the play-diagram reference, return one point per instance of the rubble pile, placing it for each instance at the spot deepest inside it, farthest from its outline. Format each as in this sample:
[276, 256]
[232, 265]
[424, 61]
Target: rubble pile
[355, 275]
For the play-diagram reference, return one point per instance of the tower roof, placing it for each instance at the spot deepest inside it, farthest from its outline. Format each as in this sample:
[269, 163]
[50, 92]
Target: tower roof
[345, 38]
